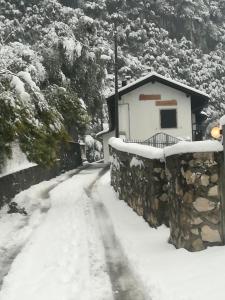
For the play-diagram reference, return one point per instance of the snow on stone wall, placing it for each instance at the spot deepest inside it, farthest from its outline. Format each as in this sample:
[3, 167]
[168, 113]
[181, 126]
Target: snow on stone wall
[188, 194]
[196, 200]
[142, 183]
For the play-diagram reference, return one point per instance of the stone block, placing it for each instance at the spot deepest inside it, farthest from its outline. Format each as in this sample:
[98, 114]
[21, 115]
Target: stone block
[203, 205]
[188, 197]
[198, 245]
[213, 218]
[190, 177]
[196, 221]
[210, 235]
[194, 231]
[214, 178]
[205, 180]
[214, 191]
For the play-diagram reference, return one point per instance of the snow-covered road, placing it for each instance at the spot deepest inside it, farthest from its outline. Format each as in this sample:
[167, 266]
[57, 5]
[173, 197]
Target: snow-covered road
[62, 256]
[125, 285]
[79, 242]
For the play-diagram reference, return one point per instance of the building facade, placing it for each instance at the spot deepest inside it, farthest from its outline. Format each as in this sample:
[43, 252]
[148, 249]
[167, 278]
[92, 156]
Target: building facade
[155, 104]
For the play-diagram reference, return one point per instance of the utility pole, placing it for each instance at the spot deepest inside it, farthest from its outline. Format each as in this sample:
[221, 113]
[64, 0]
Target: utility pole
[116, 83]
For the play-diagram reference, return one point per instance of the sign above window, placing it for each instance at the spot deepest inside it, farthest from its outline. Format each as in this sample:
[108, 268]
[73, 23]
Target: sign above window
[166, 103]
[144, 97]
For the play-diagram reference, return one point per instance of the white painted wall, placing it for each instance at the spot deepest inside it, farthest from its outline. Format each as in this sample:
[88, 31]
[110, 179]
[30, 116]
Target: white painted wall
[142, 118]
[106, 138]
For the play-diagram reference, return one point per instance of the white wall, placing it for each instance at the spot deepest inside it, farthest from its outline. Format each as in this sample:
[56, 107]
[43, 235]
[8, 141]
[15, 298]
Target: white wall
[106, 138]
[143, 117]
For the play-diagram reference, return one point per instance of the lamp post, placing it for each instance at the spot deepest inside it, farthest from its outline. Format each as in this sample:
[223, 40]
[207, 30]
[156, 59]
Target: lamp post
[218, 133]
[116, 83]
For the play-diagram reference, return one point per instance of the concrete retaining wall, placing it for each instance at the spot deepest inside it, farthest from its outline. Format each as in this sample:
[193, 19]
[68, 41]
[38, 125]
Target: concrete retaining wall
[12, 184]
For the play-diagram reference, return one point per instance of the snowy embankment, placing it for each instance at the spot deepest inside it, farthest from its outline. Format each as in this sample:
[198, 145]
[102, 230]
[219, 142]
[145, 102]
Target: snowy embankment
[63, 257]
[167, 273]
[17, 162]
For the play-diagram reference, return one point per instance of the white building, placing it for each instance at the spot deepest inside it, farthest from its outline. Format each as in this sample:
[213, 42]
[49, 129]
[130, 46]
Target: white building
[155, 104]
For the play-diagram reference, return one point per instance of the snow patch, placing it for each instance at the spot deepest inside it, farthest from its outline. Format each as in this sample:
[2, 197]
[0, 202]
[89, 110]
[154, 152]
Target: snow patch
[141, 150]
[17, 162]
[156, 153]
[18, 86]
[191, 147]
[135, 162]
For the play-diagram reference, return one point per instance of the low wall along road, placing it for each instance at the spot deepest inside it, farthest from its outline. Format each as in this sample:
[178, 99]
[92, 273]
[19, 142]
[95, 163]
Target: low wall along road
[12, 184]
[180, 186]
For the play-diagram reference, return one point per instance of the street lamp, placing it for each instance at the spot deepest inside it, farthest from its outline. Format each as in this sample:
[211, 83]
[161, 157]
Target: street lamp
[116, 83]
[216, 133]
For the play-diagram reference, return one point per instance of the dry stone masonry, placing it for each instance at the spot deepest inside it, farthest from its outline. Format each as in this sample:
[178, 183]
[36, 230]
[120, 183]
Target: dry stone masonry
[196, 207]
[142, 183]
[183, 190]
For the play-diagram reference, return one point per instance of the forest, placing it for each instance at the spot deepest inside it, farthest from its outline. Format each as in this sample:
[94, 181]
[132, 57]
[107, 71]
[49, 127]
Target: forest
[57, 62]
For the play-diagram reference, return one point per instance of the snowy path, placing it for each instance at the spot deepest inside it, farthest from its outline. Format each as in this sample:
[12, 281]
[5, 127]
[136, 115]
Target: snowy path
[81, 243]
[9, 251]
[124, 283]
[68, 248]
[63, 256]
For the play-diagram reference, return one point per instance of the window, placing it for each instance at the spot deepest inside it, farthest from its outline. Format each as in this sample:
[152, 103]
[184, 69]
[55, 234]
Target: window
[168, 118]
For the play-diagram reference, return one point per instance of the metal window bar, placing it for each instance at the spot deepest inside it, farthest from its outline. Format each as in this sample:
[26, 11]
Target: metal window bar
[159, 140]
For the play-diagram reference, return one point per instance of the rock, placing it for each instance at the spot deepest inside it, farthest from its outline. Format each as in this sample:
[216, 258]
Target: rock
[157, 170]
[194, 231]
[214, 219]
[204, 180]
[162, 175]
[210, 235]
[179, 190]
[164, 197]
[191, 163]
[188, 197]
[203, 204]
[165, 187]
[182, 172]
[198, 245]
[196, 221]
[214, 178]
[190, 177]
[213, 191]
[155, 204]
[204, 156]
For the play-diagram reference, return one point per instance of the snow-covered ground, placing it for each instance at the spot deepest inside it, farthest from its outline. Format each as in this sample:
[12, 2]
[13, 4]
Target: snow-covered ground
[17, 162]
[167, 273]
[62, 255]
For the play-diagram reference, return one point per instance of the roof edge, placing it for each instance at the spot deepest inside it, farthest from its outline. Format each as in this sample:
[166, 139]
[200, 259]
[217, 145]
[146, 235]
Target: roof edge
[164, 80]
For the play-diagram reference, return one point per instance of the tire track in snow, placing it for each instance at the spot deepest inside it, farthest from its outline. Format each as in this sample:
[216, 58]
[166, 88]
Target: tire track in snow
[8, 255]
[124, 283]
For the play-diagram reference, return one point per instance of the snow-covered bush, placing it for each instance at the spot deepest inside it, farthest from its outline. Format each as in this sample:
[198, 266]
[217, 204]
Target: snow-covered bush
[94, 149]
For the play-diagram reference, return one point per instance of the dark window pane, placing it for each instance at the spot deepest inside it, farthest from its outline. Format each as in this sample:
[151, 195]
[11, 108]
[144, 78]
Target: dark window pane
[168, 118]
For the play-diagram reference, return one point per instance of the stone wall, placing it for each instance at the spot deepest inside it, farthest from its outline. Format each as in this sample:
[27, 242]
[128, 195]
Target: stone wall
[142, 183]
[12, 184]
[196, 205]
